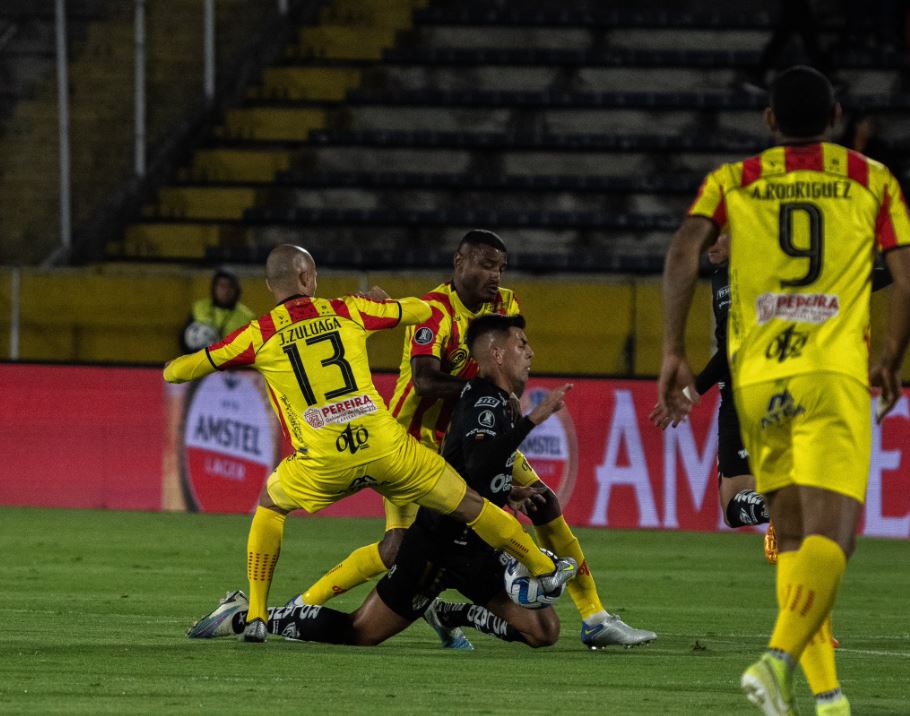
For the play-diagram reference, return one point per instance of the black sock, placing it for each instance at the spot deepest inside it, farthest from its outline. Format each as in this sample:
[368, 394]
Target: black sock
[747, 508]
[311, 623]
[459, 614]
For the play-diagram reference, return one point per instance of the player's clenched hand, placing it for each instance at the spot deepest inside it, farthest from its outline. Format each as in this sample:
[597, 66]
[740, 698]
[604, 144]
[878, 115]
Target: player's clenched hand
[375, 294]
[675, 378]
[888, 381]
[552, 403]
[525, 499]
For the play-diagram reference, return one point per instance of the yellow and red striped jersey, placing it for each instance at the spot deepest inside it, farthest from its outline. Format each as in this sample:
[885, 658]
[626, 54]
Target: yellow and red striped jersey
[312, 354]
[441, 336]
[805, 222]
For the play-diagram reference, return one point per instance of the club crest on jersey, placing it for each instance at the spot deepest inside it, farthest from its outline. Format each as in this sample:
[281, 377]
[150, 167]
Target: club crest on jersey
[458, 358]
[801, 307]
[487, 419]
[424, 336]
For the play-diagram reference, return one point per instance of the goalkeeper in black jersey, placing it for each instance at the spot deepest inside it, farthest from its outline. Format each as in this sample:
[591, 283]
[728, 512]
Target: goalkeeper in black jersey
[438, 553]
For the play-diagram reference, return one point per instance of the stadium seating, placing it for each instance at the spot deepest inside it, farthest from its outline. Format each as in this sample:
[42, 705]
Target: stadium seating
[578, 129]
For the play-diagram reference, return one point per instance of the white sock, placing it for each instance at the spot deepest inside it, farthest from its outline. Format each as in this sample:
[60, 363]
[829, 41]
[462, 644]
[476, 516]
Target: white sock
[596, 618]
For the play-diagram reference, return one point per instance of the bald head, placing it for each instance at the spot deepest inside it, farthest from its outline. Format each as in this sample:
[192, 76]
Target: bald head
[290, 270]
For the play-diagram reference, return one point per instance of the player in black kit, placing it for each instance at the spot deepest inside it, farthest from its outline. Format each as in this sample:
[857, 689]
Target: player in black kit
[437, 553]
[740, 503]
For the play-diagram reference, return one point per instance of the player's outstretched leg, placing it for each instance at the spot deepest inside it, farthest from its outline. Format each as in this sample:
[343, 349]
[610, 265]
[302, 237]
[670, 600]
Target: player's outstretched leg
[818, 664]
[228, 618]
[361, 565]
[451, 635]
[599, 628]
[500, 618]
[263, 548]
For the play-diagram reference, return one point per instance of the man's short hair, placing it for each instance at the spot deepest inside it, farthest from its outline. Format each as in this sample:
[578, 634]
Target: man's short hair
[482, 237]
[492, 323]
[802, 99]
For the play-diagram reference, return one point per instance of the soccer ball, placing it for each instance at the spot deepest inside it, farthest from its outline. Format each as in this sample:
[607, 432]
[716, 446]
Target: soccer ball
[523, 589]
[199, 335]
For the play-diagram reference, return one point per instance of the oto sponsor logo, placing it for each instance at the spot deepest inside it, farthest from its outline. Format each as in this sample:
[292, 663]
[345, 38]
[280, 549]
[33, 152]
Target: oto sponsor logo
[229, 443]
[802, 307]
[552, 447]
[352, 439]
[787, 344]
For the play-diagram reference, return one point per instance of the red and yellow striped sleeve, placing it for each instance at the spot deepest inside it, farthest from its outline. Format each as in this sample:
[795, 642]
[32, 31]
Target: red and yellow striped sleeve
[892, 225]
[238, 349]
[710, 201]
[428, 338]
[383, 315]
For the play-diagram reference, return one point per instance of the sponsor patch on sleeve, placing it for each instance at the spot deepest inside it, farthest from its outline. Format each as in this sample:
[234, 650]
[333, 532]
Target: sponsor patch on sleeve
[424, 336]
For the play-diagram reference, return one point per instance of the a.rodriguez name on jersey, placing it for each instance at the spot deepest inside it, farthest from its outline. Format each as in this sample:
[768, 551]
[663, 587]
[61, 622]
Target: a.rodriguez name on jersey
[804, 307]
[342, 411]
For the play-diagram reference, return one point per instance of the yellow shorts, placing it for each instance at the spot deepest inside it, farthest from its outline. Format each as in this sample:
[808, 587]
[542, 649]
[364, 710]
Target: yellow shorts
[412, 473]
[813, 430]
[400, 517]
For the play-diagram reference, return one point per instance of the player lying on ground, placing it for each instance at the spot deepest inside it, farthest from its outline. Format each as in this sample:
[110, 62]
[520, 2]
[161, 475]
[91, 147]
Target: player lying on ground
[438, 552]
[435, 365]
[312, 354]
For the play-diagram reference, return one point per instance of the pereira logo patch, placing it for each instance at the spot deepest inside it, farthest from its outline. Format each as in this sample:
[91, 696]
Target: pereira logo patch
[424, 336]
[800, 307]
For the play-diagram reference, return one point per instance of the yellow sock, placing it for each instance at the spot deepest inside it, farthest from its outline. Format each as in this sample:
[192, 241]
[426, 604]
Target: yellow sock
[557, 537]
[359, 566]
[817, 661]
[502, 531]
[807, 585]
[262, 549]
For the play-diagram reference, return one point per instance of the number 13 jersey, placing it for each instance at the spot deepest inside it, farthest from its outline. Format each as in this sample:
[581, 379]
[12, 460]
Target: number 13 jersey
[312, 354]
[805, 222]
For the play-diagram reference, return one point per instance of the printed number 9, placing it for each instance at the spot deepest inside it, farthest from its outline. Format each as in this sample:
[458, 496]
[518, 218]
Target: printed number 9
[814, 252]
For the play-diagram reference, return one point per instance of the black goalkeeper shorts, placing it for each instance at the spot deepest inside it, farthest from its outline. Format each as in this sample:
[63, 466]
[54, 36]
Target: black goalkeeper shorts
[425, 569]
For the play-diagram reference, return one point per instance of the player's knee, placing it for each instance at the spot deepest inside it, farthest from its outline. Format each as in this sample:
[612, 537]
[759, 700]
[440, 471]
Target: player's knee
[549, 509]
[545, 631]
[389, 545]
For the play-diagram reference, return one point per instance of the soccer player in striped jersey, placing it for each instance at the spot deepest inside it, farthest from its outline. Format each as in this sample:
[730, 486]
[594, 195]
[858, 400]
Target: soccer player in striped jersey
[805, 219]
[435, 366]
[312, 354]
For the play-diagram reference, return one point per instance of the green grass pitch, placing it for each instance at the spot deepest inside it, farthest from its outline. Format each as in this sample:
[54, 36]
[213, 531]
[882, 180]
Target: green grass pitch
[95, 604]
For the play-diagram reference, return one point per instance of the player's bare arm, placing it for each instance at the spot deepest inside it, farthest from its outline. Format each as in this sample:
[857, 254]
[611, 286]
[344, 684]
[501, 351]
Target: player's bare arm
[430, 381]
[678, 285]
[886, 375]
[552, 403]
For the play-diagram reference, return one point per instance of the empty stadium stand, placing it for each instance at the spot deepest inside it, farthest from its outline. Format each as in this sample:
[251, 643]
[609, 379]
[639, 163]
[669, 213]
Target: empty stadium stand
[577, 129]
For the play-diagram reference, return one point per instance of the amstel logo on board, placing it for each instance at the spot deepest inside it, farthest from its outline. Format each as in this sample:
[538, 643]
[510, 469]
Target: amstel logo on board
[230, 443]
[552, 447]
